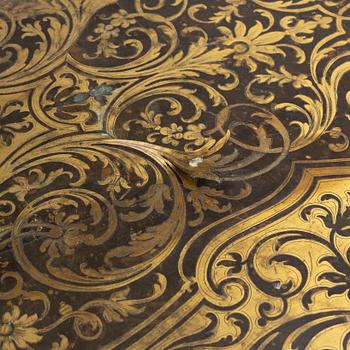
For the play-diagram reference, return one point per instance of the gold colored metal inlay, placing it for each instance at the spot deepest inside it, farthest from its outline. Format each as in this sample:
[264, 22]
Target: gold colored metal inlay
[174, 174]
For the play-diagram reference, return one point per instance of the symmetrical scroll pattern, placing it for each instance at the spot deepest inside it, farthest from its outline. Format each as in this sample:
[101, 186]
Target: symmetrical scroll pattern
[134, 135]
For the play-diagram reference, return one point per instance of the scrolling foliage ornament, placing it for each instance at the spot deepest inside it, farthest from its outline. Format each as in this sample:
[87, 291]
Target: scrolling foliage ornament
[134, 139]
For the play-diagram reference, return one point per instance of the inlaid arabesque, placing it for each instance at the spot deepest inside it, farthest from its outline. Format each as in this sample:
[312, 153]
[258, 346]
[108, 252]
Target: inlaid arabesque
[174, 174]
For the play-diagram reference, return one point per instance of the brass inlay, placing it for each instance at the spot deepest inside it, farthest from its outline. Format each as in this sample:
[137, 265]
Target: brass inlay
[174, 174]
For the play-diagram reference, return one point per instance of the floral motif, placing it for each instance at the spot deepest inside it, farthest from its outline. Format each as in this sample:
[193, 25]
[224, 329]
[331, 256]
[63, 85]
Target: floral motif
[283, 77]
[73, 102]
[69, 232]
[115, 182]
[16, 331]
[252, 45]
[121, 19]
[194, 133]
[227, 12]
[107, 32]
[171, 134]
[301, 31]
[35, 180]
[105, 47]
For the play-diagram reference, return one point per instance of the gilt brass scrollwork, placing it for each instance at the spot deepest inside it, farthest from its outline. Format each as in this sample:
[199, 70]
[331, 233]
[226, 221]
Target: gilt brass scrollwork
[174, 174]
